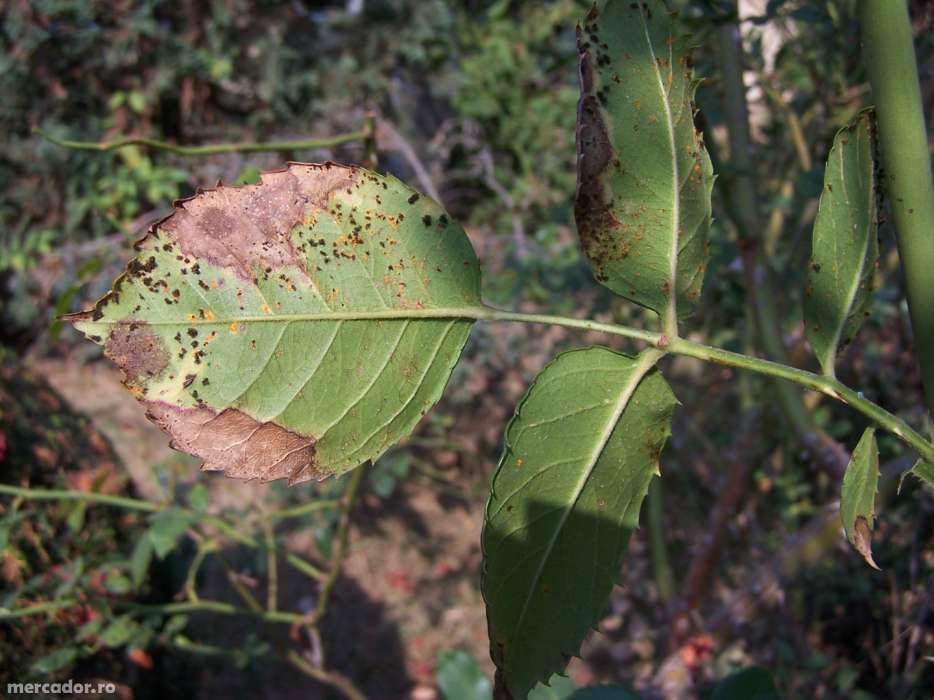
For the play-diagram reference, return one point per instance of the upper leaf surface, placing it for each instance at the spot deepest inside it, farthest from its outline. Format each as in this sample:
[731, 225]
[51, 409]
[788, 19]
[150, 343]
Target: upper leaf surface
[858, 495]
[643, 176]
[844, 249]
[580, 453]
[284, 329]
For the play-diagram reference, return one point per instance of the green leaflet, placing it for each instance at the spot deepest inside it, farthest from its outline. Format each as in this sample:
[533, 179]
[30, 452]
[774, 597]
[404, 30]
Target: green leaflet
[845, 248]
[644, 179]
[858, 496]
[284, 330]
[580, 453]
[922, 471]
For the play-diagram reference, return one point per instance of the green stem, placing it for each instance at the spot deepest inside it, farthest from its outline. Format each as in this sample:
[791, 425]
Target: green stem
[85, 496]
[364, 134]
[661, 564]
[148, 506]
[299, 511]
[825, 385]
[677, 346]
[343, 540]
[214, 606]
[332, 678]
[190, 606]
[889, 56]
[38, 609]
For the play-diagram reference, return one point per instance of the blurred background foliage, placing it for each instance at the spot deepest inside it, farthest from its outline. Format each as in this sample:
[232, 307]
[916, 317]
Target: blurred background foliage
[476, 105]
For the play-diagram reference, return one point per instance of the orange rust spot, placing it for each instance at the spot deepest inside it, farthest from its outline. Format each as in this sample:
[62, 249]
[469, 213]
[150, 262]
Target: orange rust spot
[234, 328]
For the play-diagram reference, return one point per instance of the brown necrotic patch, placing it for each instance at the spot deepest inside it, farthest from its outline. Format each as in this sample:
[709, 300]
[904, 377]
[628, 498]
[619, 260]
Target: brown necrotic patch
[592, 212]
[139, 352]
[249, 229]
[237, 444]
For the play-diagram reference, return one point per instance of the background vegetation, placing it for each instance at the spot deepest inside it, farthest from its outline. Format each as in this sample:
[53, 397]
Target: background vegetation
[738, 562]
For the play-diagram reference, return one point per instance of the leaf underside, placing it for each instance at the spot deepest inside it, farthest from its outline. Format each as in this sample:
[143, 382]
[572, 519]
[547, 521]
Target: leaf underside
[845, 248]
[858, 495]
[922, 471]
[580, 453]
[644, 178]
[273, 329]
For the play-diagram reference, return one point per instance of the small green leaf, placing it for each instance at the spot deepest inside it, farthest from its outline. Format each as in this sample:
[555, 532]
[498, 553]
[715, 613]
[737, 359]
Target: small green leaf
[118, 584]
[644, 178]
[580, 453]
[198, 498]
[167, 527]
[922, 471]
[56, 661]
[295, 328]
[121, 631]
[174, 624]
[90, 629]
[459, 677]
[140, 560]
[844, 249]
[751, 683]
[858, 496]
[76, 516]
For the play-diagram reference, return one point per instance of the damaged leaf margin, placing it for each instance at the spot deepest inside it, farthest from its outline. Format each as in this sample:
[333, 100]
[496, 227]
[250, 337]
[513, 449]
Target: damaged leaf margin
[279, 330]
[858, 495]
[643, 201]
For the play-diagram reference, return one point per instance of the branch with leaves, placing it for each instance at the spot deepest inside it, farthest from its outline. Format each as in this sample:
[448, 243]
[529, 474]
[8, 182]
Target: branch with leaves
[302, 326]
[212, 545]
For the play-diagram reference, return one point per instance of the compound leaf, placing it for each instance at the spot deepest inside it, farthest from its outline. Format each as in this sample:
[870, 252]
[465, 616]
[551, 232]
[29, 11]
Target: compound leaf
[580, 453]
[294, 328]
[858, 496]
[644, 179]
[844, 248]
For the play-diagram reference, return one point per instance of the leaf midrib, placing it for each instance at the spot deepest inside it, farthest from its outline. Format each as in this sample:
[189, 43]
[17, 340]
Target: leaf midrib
[671, 314]
[471, 312]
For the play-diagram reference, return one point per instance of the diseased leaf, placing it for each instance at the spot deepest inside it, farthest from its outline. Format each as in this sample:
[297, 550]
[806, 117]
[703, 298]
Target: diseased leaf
[293, 328]
[845, 248]
[580, 453]
[858, 496]
[922, 471]
[644, 178]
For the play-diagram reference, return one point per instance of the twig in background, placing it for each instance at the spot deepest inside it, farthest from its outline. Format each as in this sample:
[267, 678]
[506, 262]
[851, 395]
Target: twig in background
[207, 149]
[398, 142]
